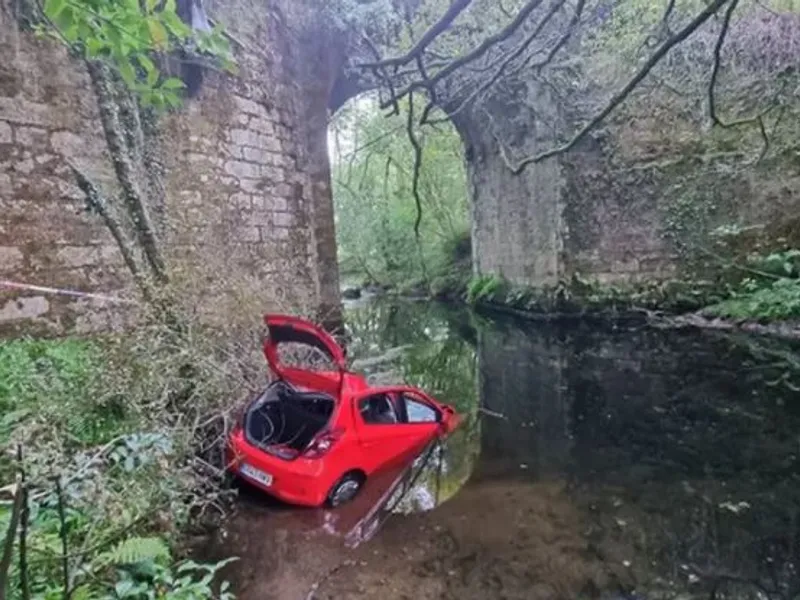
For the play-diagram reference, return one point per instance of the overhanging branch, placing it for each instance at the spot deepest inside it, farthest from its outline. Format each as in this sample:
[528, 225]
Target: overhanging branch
[520, 50]
[451, 67]
[758, 119]
[623, 94]
[452, 13]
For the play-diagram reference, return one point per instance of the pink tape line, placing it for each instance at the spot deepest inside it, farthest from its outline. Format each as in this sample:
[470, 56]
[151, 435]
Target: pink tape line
[61, 292]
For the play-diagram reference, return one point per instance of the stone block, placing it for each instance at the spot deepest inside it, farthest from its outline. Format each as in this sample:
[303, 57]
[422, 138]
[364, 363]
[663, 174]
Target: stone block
[252, 186]
[250, 107]
[240, 169]
[11, 259]
[5, 133]
[241, 201]
[256, 155]
[249, 234]
[77, 256]
[31, 137]
[244, 137]
[262, 126]
[20, 110]
[284, 219]
[19, 309]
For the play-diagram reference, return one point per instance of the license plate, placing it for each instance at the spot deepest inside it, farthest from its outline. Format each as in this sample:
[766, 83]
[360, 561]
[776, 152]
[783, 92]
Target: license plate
[257, 475]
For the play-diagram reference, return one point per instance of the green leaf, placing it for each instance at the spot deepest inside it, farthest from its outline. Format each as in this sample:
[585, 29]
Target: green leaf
[158, 33]
[54, 8]
[136, 550]
[173, 83]
[94, 47]
[128, 74]
[151, 72]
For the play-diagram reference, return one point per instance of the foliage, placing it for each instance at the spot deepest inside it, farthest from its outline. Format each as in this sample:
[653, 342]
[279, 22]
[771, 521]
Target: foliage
[376, 209]
[486, 287]
[770, 292]
[134, 440]
[131, 36]
[779, 300]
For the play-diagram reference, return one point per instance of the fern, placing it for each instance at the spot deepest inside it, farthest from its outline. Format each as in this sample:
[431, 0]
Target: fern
[136, 550]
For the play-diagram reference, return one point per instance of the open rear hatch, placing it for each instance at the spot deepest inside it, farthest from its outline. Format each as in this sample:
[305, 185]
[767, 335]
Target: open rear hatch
[286, 331]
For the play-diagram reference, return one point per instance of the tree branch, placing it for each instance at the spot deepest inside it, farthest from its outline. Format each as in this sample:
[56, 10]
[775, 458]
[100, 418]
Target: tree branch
[620, 96]
[668, 13]
[25, 517]
[571, 27]
[712, 84]
[476, 53]
[455, 9]
[11, 535]
[412, 136]
[512, 56]
[62, 533]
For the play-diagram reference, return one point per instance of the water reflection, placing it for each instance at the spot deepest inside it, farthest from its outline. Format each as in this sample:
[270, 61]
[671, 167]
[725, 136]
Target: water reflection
[676, 447]
[595, 462]
[434, 348]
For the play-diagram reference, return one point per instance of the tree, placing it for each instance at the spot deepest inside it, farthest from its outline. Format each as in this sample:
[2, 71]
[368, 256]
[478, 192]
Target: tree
[375, 204]
[459, 54]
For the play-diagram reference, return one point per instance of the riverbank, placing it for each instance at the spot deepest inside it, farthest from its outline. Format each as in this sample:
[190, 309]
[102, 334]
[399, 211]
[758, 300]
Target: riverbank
[676, 305]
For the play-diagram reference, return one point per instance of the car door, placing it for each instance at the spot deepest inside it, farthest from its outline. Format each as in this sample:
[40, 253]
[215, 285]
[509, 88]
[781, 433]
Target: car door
[386, 434]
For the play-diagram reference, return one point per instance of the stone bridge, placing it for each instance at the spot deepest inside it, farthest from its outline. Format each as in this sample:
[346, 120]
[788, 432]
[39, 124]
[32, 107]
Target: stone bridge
[248, 176]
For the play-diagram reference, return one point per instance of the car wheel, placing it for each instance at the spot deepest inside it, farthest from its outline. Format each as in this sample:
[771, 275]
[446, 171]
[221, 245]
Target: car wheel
[345, 489]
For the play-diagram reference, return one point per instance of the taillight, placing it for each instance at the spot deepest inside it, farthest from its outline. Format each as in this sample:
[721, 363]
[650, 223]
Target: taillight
[322, 444]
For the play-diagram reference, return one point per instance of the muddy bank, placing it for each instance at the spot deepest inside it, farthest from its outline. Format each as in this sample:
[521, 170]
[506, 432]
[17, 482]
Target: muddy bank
[495, 539]
[788, 330]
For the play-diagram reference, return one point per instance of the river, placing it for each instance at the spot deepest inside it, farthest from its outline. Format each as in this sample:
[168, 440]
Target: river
[597, 460]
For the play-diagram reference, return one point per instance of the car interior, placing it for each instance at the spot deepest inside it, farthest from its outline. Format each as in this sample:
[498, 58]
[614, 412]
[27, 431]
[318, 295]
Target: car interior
[283, 415]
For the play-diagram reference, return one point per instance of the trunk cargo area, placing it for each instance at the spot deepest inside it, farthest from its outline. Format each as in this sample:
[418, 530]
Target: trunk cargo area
[284, 416]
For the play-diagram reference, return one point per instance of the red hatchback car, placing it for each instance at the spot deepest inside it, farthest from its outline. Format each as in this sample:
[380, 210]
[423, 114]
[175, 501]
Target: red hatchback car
[314, 437]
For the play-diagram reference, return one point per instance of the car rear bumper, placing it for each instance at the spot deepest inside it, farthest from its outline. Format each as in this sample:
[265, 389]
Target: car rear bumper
[300, 481]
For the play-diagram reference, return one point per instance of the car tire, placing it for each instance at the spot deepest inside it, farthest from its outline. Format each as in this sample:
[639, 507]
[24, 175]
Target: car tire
[344, 490]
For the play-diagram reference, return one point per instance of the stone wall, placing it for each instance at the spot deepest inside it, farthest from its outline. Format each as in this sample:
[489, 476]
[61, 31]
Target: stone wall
[622, 205]
[639, 203]
[246, 174]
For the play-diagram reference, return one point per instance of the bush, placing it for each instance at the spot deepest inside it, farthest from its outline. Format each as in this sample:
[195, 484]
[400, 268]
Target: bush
[778, 300]
[130, 426]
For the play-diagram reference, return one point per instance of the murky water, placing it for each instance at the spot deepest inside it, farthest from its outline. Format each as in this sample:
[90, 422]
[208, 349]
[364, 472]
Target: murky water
[597, 461]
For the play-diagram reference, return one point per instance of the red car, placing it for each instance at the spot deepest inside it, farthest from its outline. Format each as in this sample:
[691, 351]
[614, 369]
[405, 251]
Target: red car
[313, 437]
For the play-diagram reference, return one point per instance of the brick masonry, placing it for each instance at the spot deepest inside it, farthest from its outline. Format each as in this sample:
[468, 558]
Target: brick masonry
[247, 174]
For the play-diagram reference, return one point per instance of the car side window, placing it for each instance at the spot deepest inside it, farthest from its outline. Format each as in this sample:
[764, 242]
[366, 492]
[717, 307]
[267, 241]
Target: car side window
[418, 411]
[378, 410]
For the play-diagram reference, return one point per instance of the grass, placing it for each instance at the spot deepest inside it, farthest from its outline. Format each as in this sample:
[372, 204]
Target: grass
[102, 418]
[56, 381]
